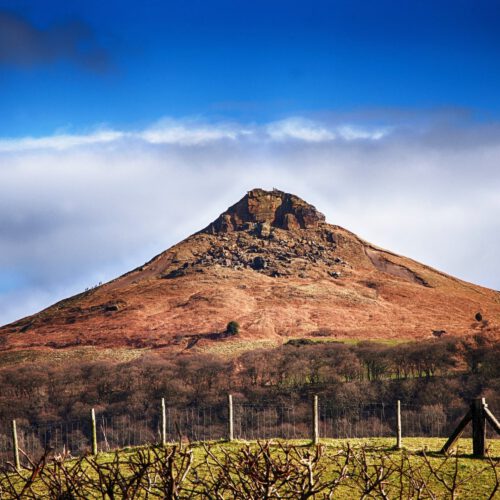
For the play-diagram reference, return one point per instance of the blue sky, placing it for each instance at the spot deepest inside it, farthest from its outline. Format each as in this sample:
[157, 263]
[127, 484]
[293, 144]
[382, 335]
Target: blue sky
[126, 126]
[127, 63]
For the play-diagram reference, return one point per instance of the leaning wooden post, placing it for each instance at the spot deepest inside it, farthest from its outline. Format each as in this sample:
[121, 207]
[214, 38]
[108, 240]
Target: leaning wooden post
[163, 423]
[491, 419]
[478, 427]
[315, 421]
[230, 423]
[457, 432]
[94, 433]
[399, 443]
[15, 443]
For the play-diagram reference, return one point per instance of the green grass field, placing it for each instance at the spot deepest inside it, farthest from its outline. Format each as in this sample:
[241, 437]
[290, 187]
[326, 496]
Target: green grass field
[240, 469]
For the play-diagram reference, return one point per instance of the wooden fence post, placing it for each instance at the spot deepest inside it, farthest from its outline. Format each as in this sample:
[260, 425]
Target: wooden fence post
[478, 413]
[230, 427]
[478, 427]
[399, 443]
[15, 443]
[163, 422]
[315, 420]
[94, 433]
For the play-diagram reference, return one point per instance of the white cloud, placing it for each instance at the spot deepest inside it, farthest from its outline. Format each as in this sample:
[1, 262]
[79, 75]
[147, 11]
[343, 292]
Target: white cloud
[75, 211]
[59, 142]
[188, 134]
[300, 129]
[198, 133]
[353, 132]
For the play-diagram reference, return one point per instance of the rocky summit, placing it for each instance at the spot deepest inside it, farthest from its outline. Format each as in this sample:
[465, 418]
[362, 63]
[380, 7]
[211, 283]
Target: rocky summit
[261, 210]
[273, 264]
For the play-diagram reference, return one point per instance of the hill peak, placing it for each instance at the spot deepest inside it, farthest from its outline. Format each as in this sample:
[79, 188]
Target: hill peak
[267, 208]
[273, 264]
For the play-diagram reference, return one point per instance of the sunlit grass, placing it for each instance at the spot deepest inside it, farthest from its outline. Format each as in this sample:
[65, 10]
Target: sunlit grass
[476, 476]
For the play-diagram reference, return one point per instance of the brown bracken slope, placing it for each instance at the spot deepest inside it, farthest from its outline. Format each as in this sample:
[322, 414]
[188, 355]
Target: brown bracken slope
[271, 263]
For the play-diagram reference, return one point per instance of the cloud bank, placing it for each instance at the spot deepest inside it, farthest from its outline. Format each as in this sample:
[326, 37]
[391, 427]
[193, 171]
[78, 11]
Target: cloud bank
[76, 209]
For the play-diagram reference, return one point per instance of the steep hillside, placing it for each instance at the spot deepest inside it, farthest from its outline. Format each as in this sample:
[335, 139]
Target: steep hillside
[271, 263]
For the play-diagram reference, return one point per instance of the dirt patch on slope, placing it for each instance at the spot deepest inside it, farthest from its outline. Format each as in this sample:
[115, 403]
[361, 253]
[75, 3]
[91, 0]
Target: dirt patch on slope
[386, 266]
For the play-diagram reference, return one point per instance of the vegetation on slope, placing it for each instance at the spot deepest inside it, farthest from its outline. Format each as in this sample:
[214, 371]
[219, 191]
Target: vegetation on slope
[444, 374]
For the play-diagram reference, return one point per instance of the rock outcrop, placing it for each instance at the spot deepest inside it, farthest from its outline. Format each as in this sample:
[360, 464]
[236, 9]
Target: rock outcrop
[262, 210]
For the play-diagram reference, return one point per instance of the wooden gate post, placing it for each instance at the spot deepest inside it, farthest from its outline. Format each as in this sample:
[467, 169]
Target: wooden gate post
[230, 423]
[478, 427]
[315, 420]
[15, 443]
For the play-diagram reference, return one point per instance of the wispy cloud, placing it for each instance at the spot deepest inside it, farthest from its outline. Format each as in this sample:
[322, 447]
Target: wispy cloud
[189, 133]
[299, 129]
[76, 209]
[310, 131]
[198, 133]
[353, 132]
[59, 142]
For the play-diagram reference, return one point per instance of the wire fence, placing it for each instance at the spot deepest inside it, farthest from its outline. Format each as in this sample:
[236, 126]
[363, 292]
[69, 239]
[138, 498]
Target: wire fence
[250, 422]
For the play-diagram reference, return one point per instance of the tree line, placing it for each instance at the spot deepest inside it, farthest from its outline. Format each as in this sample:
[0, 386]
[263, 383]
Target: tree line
[441, 371]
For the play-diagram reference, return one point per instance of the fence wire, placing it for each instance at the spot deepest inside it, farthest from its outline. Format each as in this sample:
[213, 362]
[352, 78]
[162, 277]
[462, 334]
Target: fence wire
[270, 421]
[361, 421]
[250, 422]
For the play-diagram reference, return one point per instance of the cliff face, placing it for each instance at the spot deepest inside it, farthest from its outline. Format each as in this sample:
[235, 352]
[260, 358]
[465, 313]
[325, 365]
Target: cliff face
[273, 264]
[266, 209]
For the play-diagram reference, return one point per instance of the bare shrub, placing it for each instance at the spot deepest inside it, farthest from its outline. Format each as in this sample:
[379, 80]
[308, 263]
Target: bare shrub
[260, 471]
[264, 471]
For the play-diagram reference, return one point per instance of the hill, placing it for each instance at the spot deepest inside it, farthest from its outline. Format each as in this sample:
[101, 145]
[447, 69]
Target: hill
[273, 264]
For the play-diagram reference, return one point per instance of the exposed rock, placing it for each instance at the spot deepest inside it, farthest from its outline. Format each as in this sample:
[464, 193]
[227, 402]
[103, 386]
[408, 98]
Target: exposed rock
[264, 229]
[290, 222]
[224, 224]
[381, 260]
[175, 273]
[276, 208]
